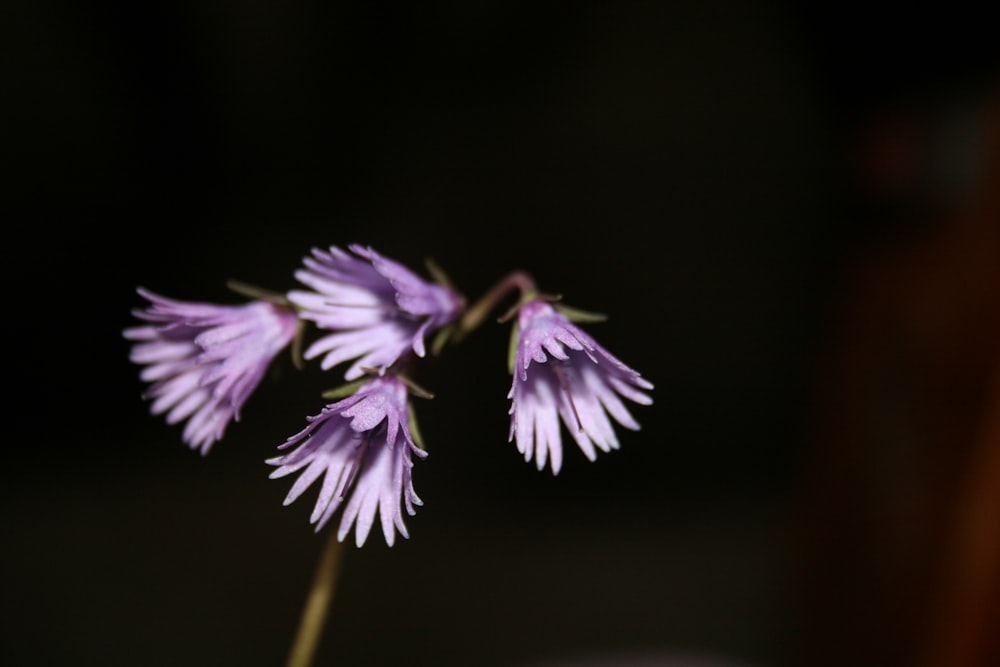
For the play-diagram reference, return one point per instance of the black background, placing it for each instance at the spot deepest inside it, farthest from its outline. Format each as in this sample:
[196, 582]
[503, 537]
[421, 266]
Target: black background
[679, 166]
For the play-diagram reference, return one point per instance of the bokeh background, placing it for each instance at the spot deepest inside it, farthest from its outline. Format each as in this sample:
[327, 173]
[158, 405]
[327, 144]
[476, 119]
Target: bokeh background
[786, 212]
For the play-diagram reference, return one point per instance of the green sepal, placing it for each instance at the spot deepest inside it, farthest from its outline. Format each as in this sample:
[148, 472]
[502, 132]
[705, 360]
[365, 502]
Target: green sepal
[439, 275]
[254, 292]
[418, 439]
[296, 348]
[512, 348]
[414, 388]
[344, 390]
[577, 315]
[441, 339]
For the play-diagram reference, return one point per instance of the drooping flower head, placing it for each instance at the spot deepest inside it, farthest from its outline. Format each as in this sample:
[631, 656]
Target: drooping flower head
[379, 309]
[362, 447]
[203, 361]
[560, 372]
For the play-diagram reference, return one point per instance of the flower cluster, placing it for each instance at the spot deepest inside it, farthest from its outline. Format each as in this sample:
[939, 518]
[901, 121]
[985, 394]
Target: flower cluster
[202, 362]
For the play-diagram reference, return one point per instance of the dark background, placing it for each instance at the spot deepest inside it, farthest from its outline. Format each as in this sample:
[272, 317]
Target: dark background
[684, 167]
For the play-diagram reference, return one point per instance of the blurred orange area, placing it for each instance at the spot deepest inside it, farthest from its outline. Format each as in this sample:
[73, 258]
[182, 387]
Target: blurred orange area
[901, 494]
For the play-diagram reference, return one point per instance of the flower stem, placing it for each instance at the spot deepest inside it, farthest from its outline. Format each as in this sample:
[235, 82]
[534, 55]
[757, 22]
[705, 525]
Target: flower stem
[477, 312]
[317, 604]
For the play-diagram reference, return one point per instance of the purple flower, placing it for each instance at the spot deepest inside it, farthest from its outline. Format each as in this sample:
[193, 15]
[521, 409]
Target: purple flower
[379, 309]
[578, 381]
[204, 360]
[362, 446]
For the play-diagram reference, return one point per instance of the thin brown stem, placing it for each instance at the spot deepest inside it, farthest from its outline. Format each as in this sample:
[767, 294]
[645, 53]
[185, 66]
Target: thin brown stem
[477, 313]
[317, 604]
